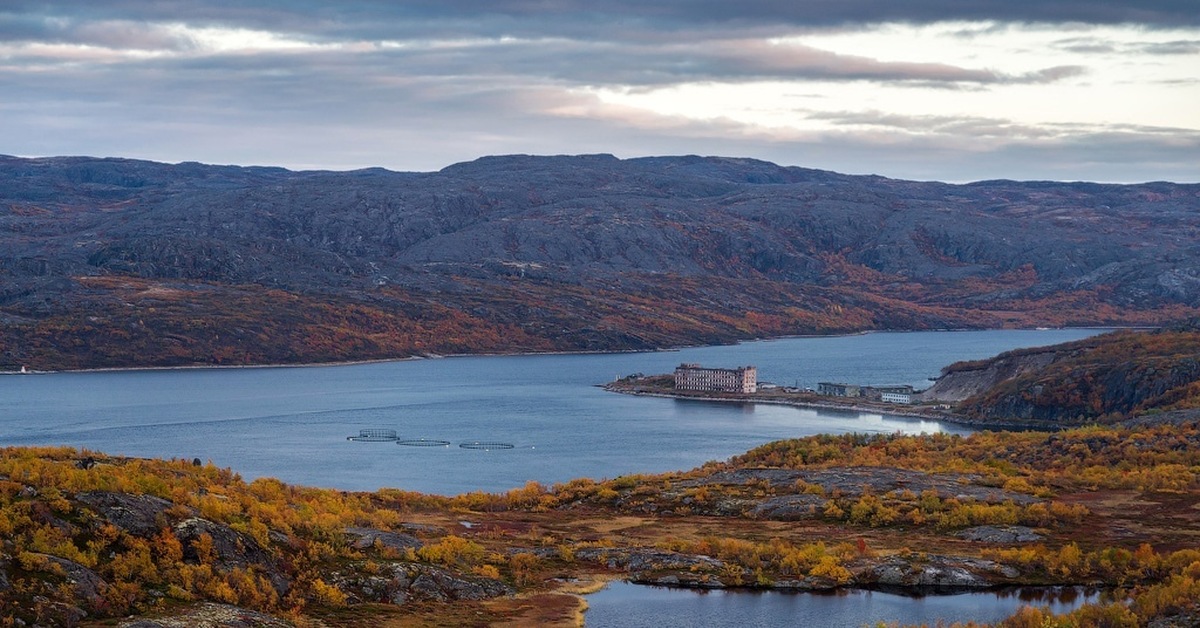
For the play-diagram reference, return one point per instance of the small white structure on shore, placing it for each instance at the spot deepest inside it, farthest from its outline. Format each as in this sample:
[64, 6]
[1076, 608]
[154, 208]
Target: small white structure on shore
[895, 397]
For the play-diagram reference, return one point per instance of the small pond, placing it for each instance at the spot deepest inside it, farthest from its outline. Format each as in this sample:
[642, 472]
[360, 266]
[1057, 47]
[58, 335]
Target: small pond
[625, 605]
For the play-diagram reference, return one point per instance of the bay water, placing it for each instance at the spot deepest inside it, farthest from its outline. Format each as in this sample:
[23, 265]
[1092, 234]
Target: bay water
[293, 422]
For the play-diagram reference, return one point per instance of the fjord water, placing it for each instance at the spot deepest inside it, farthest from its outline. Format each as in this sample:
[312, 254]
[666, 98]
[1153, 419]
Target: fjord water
[292, 423]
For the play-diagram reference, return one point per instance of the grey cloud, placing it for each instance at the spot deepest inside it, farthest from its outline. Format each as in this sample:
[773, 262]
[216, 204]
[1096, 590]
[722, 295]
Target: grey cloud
[583, 19]
[1050, 75]
[427, 123]
[1183, 47]
[955, 126]
[423, 107]
[115, 34]
[1092, 45]
[125, 35]
[580, 63]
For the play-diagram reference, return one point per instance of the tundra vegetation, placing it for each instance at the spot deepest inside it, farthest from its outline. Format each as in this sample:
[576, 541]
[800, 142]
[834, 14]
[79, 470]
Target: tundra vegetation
[88, 536]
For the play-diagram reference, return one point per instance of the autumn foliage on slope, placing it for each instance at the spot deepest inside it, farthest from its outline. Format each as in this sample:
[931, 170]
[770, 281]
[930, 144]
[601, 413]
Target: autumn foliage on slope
[1105, 378]
[110, 262]
[85, 535]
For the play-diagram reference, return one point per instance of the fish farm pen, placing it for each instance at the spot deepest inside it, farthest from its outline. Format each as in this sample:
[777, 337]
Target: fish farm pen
[374, 436]
[423, 442]
[382, 435]
[486, 445]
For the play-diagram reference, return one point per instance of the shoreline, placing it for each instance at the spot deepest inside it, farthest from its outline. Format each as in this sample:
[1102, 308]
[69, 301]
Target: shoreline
[434, 356]
[819, 405]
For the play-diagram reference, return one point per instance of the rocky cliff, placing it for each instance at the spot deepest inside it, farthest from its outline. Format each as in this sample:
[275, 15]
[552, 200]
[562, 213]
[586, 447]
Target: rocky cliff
[1106, 378]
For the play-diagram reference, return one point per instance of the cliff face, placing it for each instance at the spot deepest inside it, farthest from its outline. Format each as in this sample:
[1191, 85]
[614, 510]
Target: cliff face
[1102, 379]
[966, 379]
[108, 262]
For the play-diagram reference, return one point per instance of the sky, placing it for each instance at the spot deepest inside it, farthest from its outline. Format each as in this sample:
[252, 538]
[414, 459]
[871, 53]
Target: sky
[950, 90]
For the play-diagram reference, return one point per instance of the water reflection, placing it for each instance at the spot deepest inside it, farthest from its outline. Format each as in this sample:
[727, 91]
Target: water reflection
[625, 605]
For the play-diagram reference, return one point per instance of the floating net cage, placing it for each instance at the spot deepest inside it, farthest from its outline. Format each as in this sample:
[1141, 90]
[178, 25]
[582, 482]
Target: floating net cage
[486, 445]
[374, 436]
[423, 442]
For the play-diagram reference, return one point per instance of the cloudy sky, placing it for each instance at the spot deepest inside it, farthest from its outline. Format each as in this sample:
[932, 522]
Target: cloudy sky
[953, 90]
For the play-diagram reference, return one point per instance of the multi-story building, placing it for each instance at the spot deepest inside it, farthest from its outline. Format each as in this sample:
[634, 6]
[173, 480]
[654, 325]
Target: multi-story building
[896, 397]
[876, 393]
[743, 379]
[832, 389]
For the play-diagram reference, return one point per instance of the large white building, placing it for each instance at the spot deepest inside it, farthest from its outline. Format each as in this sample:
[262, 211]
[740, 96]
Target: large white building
[743, 379]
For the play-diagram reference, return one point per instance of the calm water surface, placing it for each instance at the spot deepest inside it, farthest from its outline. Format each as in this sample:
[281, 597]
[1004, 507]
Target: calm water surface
[292, 423]
[624, 605]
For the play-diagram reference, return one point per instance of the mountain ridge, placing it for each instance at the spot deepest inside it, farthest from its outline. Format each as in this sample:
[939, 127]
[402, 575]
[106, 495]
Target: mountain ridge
[532, 253]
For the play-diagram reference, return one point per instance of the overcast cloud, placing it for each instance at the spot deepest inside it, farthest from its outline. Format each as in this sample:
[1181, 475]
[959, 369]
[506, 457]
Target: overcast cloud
[932, 89]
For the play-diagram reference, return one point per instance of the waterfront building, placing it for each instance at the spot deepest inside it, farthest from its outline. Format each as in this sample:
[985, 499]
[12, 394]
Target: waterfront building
[876, 393]
[895, 397]
[833, 389]
[743, 379]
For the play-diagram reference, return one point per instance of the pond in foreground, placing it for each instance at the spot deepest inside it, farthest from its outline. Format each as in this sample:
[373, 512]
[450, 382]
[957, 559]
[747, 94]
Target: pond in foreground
[624, 605]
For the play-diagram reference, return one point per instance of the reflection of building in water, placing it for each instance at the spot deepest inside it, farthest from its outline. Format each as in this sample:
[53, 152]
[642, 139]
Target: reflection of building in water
[743, 379]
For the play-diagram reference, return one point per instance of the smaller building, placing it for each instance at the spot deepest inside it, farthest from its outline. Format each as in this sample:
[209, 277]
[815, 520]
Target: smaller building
[743, 379]
[832, 389]
[876, 393]
[895, 397]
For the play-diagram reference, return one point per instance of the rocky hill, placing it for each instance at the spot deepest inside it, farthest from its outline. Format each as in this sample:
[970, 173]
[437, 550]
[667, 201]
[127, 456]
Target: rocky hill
[111, 262]
[1106, 378]
[89, 539]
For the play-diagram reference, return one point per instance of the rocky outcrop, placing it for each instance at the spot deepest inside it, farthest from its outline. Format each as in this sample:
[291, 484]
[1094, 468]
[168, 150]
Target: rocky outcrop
[228, 545]
[400, 583]
[86, 585]
[951, 572]
[210, 615]
[1106, 379]
[364, 538]
[789, 507]
[1007, 535]
[139, 515]
[230, 549]
[645, 560]
[960, 381]
[423, 529]
[852, 481]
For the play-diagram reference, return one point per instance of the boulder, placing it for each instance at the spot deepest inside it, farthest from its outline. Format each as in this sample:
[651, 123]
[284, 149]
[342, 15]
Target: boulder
[999, 534]
[366, 538]
[638, 560]
[951, 572]
[230, 546]
[86, 585]
[231, 549]
[139, 515]
[402, 582]
[210, 615]
[789, 507]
